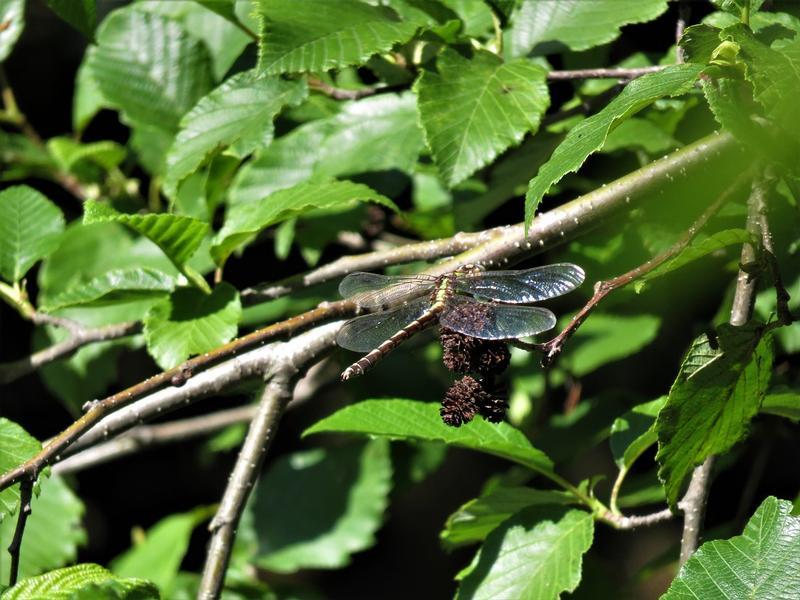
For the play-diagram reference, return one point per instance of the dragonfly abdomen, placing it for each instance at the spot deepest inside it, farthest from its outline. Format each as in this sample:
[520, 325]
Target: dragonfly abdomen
[368, 361]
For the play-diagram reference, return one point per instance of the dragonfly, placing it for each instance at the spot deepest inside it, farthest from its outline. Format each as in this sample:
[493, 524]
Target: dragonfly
[477, 303]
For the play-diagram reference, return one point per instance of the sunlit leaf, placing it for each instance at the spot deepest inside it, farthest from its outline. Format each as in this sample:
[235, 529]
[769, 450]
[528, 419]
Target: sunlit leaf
[30, 229]
[12, 16]
[408, 419]
[121, 285]
[82, 582]
[190, 322]
[315, 509]
[577, 24]
[761, 564]
[474, 109]
[16, 446]
[536, 554]
[719, 389]
[317, 35]
[589, 135]
[68, 153]
[634, 432]
[236, 115]
[783, 404]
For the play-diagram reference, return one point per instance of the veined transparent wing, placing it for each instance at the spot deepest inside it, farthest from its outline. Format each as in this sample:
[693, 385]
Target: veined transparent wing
[371, 290]
[495, 321]
[522, 286]
[367, 332]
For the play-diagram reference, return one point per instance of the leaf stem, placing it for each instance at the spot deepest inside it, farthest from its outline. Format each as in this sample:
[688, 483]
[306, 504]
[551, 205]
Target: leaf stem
[15, 547]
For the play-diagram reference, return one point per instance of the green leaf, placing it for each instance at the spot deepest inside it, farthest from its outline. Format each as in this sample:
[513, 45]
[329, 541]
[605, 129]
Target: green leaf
[696, 250]
[52, 533]
[159, 82]
[121, 285]
[409, 419]
[12, 16]
[639, 133]
[81, 14]
[315, 509]
[82, 582]
[760, 564]
[473, 521]
[88, 100]
[474, 109]
[735, 7]
[317, 35]
[158, 556]
[68, 153]
[243, 221]
[577, 24]
[238, 114]
[786, 404]
[224, 8]
[30, 229]
[534, 555]
[589, 135]
[370, 135]
[718, 390]
[698, 43]
[604, 338]
[16, 446]
[634, 432]
[190, 322]
[178, 237]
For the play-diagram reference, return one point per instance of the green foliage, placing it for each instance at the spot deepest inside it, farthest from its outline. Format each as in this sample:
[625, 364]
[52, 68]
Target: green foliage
[316, 35]
[12, 15]
[16, 446]
[30, 229]
[52, 533]
[411, 420]
[82, 582]
[535, 554]
[786, 404]
[577, 24]
[315, 509]
[718, 390]
[760, 564]
[81, 14]
[119, 285]
[590, 135]
[474, 109]
[191, 322]
[634, 432]
[158, 556]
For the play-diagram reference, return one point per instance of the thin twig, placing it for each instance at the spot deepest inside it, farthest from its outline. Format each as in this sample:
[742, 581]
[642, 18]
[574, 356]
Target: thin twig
[767, 249]
[344, 94]
[620, 73]
[635, 521]
[148, 436]
[693, 506]
[78, 338]
[15, 547]
[684, 11]
[553, 347]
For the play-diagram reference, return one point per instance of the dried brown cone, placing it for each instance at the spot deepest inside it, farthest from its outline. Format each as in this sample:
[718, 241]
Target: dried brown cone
[468, 397]
[464, 354]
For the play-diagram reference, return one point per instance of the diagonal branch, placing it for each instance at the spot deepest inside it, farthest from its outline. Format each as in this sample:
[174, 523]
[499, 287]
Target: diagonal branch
[15, 547]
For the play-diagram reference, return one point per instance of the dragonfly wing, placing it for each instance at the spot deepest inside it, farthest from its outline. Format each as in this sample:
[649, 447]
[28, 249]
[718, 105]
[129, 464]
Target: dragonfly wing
[371, 290]
[367, 332]
[495, 321]
[523, 286]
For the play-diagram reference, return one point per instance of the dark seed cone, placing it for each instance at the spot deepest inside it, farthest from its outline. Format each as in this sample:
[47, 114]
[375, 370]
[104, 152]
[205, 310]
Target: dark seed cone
[461, 402]
[493, 409]
[464, 354]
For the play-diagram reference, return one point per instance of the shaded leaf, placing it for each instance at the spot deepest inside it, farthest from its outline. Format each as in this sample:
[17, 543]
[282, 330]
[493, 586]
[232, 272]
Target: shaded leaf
[243, 221]
[409, 419]
[718, 390]
[69, 153]
[238, 114]
[474, 109]
[785, 404]
[535, 554]
[85, 581]
[604, 338]
[641, 133]
[190, 322]
[473, 521]
[16, 446]
[12, 17]
[317, 35]
[158, 556]
[149, 67]
[589, 135]
[634, 432]
[30, 229]
[315, 509]
[121, 285]
[696, 250]
[52, 533]
[698, 42]
[577, 24]
[81, 14]
[761, 564]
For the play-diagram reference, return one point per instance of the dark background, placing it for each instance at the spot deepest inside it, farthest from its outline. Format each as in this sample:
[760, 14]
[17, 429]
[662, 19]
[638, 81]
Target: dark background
[407, 561]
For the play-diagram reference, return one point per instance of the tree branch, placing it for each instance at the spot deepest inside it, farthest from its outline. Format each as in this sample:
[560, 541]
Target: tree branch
[15, 547]
[693, 506]
[636, 521]
[621, 73]
[78, 338]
